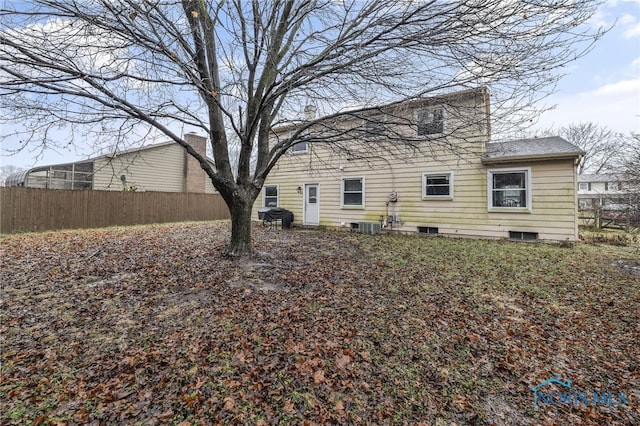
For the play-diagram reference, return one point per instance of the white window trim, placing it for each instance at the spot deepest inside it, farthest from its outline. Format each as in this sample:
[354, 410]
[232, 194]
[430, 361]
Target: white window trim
[437, 197]
[291, 151]
[264, 194]
[348, 206]
[528, 189]
[302, 151]
[431, 108]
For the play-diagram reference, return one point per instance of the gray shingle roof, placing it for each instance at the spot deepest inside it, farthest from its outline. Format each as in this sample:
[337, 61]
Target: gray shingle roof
[548, 148]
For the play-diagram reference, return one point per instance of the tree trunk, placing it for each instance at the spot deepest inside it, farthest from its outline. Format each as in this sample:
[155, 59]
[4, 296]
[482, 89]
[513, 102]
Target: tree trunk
[240, 243]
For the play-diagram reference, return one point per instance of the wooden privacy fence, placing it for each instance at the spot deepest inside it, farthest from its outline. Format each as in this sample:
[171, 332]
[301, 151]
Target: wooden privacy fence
[32, 209]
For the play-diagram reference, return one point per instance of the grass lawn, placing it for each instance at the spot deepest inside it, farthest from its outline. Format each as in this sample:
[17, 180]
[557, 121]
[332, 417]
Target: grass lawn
[153, 325]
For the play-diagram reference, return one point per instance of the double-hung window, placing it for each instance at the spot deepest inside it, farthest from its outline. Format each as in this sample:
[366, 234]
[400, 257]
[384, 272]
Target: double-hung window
[509, 190]
[437, 186]
[270, 195]
[352, 192]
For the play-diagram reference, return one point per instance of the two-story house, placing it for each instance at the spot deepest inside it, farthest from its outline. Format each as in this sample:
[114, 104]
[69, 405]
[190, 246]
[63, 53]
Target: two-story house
[608, 198]
[438, 173]
[605, 189]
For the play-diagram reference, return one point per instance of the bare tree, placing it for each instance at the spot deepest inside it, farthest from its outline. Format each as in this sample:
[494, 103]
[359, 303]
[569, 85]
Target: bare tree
[632, 163]
[235, 69]
[604, 149]
[632, 176]
[8, 170]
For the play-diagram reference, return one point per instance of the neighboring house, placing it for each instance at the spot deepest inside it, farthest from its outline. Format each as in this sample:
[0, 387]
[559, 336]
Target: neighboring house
[162, 167]
[607, 190]
[605, 199]
[523, 189]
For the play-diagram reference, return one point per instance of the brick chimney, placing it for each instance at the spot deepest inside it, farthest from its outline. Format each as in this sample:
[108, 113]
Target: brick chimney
[194, 176]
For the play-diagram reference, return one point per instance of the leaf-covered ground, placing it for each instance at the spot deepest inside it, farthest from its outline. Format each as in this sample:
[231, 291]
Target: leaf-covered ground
[153, 325]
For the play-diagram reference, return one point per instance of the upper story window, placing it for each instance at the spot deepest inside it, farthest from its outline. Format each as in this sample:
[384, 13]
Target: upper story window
[270, 196]
[352, 192]
[612, 186]
[374, 127]
[431, 121]
[584, 186]
[437, 186]
[299, 148]
[509, 190]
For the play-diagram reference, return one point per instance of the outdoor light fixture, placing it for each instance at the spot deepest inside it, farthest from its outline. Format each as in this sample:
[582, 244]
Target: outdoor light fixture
[299, 190]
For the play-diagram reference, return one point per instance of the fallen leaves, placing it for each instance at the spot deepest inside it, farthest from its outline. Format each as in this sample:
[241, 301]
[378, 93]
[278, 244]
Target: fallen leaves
[154, 325]
[343, 361]
[318, 377]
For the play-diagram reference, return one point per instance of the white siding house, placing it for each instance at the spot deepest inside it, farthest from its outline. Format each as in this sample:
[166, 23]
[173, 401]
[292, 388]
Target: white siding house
[606, 189]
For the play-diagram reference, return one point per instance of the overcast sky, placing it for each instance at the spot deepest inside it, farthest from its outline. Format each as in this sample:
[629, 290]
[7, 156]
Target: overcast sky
[603, 87]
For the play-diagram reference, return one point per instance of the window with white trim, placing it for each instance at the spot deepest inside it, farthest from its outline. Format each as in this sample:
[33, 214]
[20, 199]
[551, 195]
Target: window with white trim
[437, 186]
[509, 189]
[352, 192]
[612, 186]
[584, 186]
[270, 196]
[299, 148]
[430, 121]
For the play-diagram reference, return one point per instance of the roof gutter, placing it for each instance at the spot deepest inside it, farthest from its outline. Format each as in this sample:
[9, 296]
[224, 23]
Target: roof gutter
[524, 158]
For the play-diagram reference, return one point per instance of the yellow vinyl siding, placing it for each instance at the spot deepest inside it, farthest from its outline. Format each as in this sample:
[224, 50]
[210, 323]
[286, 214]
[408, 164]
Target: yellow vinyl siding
[552, 213]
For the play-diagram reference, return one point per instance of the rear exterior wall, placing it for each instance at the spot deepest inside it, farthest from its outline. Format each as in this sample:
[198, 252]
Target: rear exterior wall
[552, 213]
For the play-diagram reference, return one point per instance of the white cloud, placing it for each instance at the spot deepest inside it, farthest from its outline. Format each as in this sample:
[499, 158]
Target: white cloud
[627, 18]
[88, 47]
[614, 3]
[619, 88]
[608, 13]
[615, 105]
[632, 31]
[601, 19]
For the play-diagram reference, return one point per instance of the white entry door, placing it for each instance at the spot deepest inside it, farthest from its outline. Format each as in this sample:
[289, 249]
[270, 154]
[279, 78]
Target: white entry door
[311, 204]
